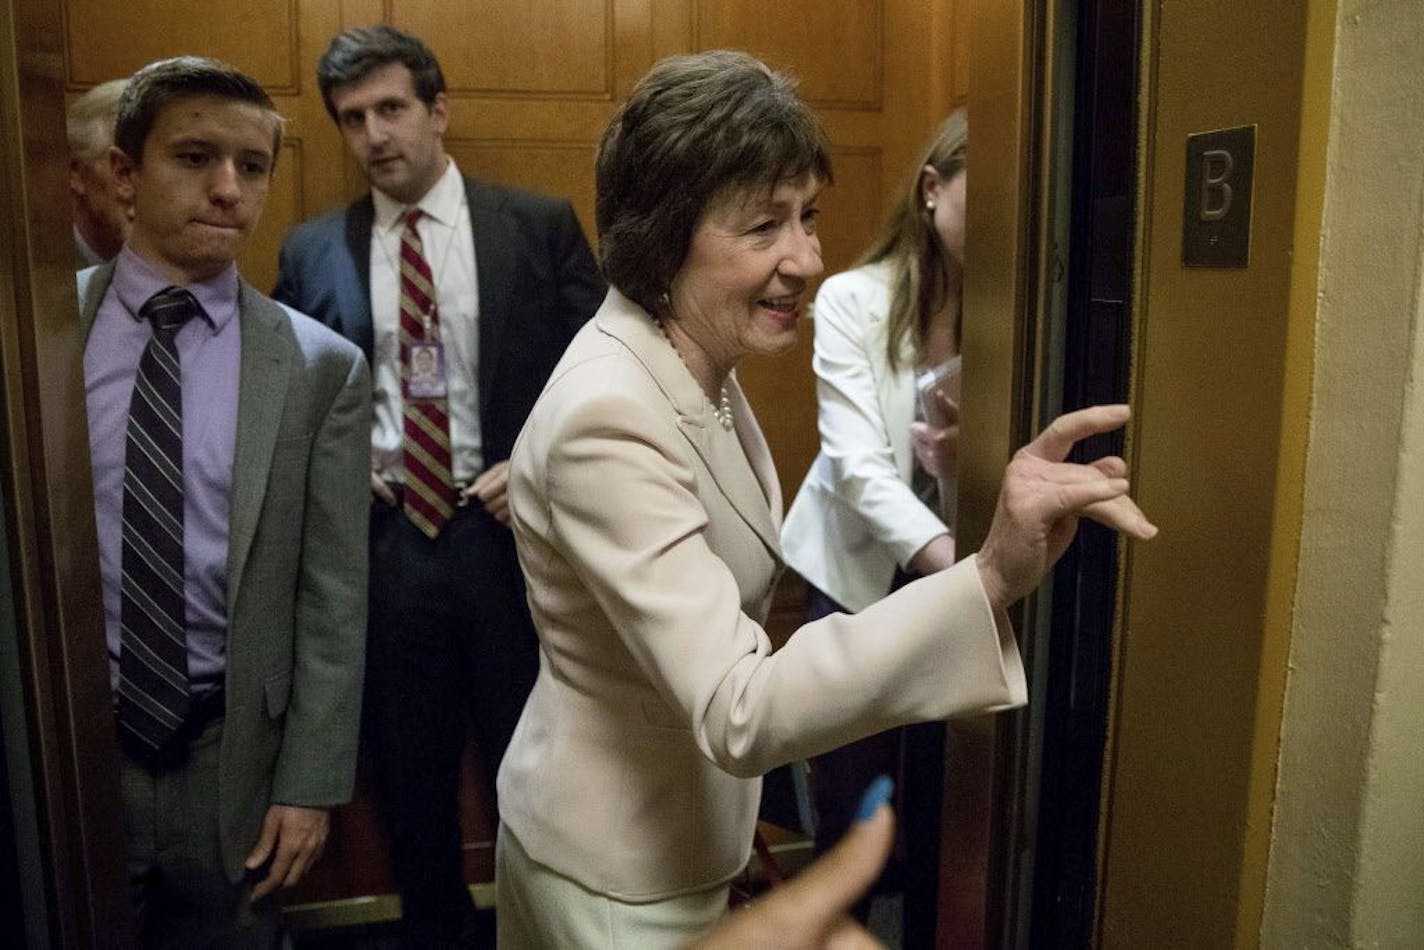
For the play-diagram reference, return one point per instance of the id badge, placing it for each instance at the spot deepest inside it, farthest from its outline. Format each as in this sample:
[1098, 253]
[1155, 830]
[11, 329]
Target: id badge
[427, 371]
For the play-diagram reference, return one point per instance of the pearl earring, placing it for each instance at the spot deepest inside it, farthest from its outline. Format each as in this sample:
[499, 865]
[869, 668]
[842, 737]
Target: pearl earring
[929, 205]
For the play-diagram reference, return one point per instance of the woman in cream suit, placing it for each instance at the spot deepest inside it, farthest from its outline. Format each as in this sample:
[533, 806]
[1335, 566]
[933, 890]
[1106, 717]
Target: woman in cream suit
[868, 516]
[646, 511]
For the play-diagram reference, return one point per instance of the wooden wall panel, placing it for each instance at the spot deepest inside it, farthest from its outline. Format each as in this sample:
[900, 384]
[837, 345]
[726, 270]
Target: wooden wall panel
[554, 168]
[851, 208]
[260, 37]
[959, 53]
[283, 211]
[516, 47]
[834, 46]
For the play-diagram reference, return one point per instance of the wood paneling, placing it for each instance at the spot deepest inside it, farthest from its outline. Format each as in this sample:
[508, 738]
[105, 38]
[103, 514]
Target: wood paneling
[516, 47]
[550, 167]
[834, 46]
[108, 39]
[283, 211]
[959, 54]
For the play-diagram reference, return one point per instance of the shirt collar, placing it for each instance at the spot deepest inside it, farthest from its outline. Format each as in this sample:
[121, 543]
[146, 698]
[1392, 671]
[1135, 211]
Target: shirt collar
[135, 280]
[442, 202]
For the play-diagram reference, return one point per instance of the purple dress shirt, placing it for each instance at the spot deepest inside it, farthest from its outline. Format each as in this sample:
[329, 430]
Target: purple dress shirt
[209, 351]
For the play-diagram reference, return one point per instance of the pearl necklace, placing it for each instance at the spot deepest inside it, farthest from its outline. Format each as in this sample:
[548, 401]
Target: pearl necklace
[723, 409]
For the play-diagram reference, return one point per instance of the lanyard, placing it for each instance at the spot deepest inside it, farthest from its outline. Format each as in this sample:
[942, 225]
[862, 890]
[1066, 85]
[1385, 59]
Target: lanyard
[461, 217]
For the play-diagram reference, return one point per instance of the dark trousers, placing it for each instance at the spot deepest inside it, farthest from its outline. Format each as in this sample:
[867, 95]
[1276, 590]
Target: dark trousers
[452, 654]
[914, 757]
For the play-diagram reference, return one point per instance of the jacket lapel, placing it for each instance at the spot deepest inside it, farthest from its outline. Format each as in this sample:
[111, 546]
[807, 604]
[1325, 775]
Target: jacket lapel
[758, 453]
[92, 285]
[494, 261]
[897, 406]
[742, 468]
[261, 396]
[353, 278]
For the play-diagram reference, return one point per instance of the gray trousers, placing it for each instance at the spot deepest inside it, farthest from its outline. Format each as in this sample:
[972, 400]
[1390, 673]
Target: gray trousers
[179, 891]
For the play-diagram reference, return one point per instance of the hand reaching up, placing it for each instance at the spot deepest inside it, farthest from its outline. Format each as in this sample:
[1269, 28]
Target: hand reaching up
[1042, 497]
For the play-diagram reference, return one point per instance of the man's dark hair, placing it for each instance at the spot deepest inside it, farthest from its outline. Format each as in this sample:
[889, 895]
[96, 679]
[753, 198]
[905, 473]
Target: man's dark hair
[158, 85]
[360, 51]
[694, 129]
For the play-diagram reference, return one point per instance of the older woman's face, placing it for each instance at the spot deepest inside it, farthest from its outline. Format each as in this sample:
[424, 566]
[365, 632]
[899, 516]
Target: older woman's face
[752, 254]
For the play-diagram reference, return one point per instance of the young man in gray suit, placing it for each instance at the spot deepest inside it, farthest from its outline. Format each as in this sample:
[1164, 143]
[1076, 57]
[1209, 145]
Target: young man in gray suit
[464, 295]
[229, 441]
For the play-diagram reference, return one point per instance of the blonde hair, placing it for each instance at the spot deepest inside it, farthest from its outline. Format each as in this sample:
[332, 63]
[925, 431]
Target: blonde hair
[89, 123]
[911, 247]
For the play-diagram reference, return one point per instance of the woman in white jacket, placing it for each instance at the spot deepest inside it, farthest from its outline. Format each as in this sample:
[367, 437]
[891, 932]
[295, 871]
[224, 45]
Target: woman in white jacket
[869, 515]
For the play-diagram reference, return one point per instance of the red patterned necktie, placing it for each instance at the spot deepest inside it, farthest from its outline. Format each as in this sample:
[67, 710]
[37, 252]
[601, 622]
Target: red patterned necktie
[429, 485]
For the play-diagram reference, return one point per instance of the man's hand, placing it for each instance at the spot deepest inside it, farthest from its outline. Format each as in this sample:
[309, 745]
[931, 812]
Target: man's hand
[492, 490]
[809, 911]
[298, 835]
[381, 490]
[1043, 496]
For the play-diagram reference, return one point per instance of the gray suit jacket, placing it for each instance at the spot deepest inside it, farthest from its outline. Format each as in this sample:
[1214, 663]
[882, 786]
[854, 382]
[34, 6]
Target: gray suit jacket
[296, 566]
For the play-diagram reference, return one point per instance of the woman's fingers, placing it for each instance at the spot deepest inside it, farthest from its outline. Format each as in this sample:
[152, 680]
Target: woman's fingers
[1043, 496]
[1067, 473]
[948, 408]
[1055, 442]
[1073, 497]
[1121, 514]
[1111, 466]
[1090, 491]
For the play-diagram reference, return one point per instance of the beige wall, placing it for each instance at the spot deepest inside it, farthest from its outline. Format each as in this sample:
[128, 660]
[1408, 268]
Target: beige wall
[1347, 856]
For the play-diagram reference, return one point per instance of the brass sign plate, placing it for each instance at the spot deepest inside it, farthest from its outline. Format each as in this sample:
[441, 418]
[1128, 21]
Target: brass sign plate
[1216, 229]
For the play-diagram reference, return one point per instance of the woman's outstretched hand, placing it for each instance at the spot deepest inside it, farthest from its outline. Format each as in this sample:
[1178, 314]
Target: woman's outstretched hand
[810, 912]
[1043, 496]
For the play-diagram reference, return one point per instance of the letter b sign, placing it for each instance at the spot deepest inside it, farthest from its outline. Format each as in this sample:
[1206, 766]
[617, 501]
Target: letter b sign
[1216, 231]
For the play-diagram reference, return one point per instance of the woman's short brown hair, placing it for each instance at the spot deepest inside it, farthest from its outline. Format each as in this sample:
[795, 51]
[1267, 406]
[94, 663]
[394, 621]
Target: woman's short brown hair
[693, 129]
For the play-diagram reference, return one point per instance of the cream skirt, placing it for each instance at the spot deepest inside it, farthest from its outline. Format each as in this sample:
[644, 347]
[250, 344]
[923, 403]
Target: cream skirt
[540, 908]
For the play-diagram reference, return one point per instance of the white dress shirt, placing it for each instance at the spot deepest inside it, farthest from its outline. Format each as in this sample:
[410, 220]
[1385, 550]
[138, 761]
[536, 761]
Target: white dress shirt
[449, 247]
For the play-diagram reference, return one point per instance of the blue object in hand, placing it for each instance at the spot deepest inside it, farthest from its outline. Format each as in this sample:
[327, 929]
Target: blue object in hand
[877, 794]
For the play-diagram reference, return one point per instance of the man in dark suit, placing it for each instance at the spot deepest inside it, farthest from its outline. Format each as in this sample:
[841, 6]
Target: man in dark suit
[464, 295]
[228, 440]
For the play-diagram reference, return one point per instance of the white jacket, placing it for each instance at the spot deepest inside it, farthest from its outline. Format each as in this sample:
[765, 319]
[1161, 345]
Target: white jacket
[856, 518]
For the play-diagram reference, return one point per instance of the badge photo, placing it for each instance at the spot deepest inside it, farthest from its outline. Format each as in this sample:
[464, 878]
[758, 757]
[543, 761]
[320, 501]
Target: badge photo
[427, 371]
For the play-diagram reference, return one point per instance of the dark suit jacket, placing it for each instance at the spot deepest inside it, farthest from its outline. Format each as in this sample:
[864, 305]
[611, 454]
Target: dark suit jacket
[296, 566]
[538, 284]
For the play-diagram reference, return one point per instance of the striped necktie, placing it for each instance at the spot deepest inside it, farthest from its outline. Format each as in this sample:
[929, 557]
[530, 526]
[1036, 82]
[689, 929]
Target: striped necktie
[425, 447]
[153, 643]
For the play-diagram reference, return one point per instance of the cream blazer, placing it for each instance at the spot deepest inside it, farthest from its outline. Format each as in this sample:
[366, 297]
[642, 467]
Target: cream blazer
[855, 518]
[648, 536]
